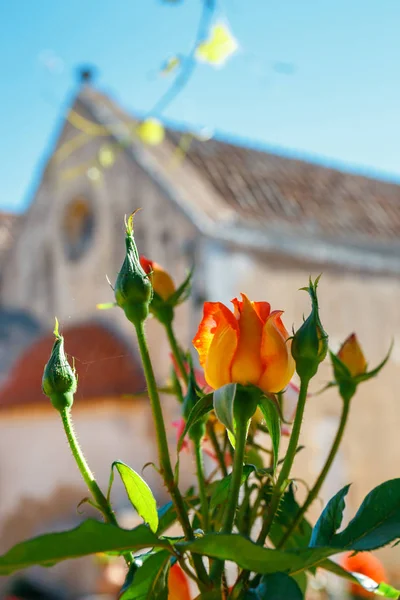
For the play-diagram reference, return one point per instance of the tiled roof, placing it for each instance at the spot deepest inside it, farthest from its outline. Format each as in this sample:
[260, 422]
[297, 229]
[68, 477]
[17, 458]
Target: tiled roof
[267, 201]
[265, 188]
[105, 364]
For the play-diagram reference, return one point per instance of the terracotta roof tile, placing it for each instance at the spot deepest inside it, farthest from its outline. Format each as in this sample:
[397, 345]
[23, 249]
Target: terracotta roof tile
[105, 364]
[266, 188]
[286, 194]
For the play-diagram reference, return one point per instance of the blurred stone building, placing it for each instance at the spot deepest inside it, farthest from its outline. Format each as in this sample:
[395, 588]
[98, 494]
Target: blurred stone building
[249, 220]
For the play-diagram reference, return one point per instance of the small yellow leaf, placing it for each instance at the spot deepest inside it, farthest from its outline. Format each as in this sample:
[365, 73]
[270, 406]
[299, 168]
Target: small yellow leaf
[151, 132]
[106, 156]
[218, 47]
[170, 65]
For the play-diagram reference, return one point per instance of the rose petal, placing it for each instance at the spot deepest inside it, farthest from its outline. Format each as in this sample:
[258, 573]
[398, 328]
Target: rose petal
[246, 366]
[277, 360]
[216, 342]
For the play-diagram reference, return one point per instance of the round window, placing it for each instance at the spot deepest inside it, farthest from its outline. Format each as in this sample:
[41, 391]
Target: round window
[78, 228]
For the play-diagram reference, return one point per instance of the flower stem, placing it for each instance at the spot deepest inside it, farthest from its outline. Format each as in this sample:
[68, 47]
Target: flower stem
[242, 427]
[162, 444]
[322, 476]
[176, 351]
[281, 483]
[86, 473]
[202, 485]
[217, 448]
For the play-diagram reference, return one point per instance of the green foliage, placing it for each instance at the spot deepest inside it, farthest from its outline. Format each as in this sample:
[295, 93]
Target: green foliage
[147, 578]
[278, 586]
[224, 401]
[330, 520]
[167, 514]
[376, 524]
[90, 537]
[273, 422]
[289, 508]
[253, 557]
[221, 490]
[200, 409]
[138, 492]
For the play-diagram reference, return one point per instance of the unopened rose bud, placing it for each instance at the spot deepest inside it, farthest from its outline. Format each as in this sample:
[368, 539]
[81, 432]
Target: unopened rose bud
[310, 342]
[59, 381]
[352, 356]
[165, 296]
[161, 281]
[350, 367]
[133, 290]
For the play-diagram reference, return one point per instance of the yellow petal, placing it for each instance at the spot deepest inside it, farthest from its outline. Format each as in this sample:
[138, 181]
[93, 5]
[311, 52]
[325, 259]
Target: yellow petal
[352, 356]
[247, 366]
[277, 360]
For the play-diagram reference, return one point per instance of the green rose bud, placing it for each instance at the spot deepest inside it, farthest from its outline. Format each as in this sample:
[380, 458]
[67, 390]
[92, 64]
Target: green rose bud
[59, 381]
[133, 289]
[310, 342]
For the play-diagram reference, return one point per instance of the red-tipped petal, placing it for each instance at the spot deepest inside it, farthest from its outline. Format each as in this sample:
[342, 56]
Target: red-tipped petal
[216, 341]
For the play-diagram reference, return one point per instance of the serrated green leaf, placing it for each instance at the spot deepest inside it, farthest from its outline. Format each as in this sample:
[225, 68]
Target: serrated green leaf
[253, 557]
[224, 400]
[376, 523]
[200, 409]
[221, 490]
[277, 586]
[288, 510]
[88, 538]
[150, 581]
[138, 492]
[272, 420]
[330, 520]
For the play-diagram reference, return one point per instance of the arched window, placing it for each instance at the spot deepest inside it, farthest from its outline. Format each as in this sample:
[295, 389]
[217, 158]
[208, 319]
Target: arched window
[78, 228]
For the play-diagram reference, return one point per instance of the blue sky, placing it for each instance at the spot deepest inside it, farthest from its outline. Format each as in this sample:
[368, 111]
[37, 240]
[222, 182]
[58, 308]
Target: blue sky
[319, 77]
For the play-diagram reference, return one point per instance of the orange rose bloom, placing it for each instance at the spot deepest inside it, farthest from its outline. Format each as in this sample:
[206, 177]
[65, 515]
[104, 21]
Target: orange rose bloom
[178, 587]
[249, 346]
[352, 356]
[366, 564]
[161, 281]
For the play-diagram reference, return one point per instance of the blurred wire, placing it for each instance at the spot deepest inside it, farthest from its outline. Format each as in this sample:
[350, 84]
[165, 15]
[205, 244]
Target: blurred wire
[188, 63]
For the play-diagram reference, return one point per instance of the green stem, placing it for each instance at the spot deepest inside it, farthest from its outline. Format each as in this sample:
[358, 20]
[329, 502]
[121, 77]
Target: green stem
[281, 483]
[162, 444]
[202, 485]
[176, 351]
[242, 427]
[217, 448]
[322, 476]
[86, 473]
